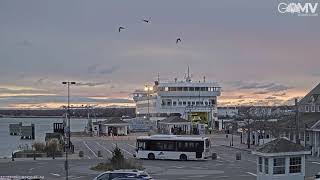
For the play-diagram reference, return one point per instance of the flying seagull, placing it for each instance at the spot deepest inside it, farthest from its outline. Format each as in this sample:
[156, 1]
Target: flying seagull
[178, 40]
[121, 28]
[147, 20]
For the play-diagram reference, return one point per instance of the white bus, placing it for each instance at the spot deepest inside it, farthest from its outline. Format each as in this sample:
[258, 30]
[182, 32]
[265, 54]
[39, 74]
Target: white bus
[172, 147]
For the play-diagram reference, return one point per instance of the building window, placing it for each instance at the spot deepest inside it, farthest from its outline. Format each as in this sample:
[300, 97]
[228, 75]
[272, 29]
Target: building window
[174, 103]
[307, 108]
[307, 136]
[266, 165]
[184, 103]
[318, 108]
[180, 103]
[279, 166]
[313, 108]
[260, 164]
[295, 165]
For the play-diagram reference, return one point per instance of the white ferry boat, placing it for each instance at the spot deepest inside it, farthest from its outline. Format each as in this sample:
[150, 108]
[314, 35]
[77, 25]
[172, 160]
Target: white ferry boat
[193, 100]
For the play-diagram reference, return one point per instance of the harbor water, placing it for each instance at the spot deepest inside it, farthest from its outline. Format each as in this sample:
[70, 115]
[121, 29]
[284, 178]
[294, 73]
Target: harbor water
[10, 143]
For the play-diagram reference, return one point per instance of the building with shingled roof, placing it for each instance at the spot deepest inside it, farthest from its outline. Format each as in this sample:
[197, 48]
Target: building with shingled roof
[281, 159]
[174, 125]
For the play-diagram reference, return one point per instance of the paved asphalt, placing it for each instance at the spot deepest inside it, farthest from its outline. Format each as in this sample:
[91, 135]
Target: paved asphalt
[225, 167]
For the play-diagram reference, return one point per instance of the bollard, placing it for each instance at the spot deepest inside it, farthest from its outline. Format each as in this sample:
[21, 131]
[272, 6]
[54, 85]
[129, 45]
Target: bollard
[214, 156]
[99, 154]
[53, 155]
[80, 153]
[34, 156]
[12, 157]
[238, 156]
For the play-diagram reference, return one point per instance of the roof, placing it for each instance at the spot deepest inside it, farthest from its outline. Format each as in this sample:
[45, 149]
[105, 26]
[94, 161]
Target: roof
[280, 145]
[115, 121]
[314, 94]
[188, 84]
[306, 120]
[174, 119]
[173, 137]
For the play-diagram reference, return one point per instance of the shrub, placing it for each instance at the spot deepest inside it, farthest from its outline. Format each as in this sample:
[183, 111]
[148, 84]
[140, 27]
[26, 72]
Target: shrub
[39, 146]
[118, 162]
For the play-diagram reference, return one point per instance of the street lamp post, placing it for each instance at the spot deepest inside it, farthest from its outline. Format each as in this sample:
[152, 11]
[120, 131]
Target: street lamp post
[148, 89]
[68, 133]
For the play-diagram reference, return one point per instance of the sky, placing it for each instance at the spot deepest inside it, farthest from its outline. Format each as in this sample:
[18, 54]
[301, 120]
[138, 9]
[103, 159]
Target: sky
[256, 54]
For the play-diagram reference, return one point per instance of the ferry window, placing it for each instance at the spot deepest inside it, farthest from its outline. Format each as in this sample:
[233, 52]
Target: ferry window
[179, 88]
[174, 103]
[184, 103]
[213, 101]
[197, 88]
[210, 88]
[201, 103]
[193, 103]
[166, 89]
[279, 166]
[203, 88]
[189, 103]
[185, 88]
[295, 165]
[191, 88]
[197, 103]
[169, 103]
[206, 103]
[180, 103]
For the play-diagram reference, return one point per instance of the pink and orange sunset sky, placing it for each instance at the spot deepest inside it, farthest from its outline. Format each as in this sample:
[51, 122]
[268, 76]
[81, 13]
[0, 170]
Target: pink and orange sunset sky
[257, 55]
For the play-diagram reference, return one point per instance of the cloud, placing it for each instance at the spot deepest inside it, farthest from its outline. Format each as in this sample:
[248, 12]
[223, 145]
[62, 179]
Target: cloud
[270, 97]
[91, 84]
[272, 87]
[279, 94]
[109, 70]
[22, 91]
[278, 87]
[261, 92]
[25, 43]
[41, 100]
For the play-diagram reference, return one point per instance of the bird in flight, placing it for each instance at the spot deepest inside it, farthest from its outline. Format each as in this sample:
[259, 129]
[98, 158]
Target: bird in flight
[178, 40]
[147, 20]
[121, 28]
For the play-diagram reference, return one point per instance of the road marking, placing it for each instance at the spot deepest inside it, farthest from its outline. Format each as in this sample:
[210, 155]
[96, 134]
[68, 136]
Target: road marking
[89, 148]
[316, 163]
[123, 149]
[104, 148]
[251, 173]
[134, 147]
[54, 174]
[31, 169]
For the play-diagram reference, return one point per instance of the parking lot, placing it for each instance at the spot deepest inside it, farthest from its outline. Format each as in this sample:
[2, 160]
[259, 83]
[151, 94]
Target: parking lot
[224, 167]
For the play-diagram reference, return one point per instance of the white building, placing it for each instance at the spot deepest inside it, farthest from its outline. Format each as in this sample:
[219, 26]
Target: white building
[227, 112]
[281, 159]
[192, 100]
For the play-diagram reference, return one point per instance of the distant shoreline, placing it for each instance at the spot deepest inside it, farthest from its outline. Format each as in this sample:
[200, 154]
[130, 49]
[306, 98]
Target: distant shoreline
[1, 117]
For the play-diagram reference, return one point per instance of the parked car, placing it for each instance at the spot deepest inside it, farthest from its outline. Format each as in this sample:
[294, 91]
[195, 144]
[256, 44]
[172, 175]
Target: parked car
[317, 176]
[125, 173]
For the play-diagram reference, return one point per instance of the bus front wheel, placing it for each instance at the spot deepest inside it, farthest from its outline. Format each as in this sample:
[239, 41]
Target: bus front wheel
[183, 157]
[151, 156]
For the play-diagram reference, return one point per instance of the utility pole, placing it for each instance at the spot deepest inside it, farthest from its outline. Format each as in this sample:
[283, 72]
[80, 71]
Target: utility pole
[297, 122]
[68, 133]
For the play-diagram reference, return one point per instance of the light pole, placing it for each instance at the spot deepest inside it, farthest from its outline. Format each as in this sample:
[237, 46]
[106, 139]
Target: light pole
[68, 133]
[148, 89]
